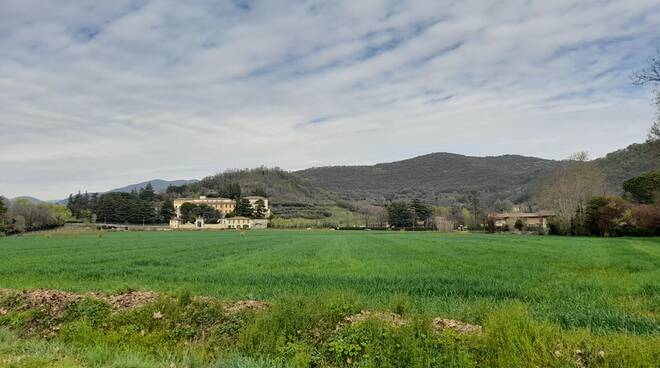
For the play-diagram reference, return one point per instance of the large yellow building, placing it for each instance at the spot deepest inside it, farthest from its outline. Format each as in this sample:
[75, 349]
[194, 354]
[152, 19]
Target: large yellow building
[224, 206]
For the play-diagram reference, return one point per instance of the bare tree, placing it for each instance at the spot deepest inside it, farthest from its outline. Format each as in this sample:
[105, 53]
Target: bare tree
[570, 187]
[651, 75]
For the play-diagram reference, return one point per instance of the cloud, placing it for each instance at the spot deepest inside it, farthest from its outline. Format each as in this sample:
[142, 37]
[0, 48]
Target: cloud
[95, 95]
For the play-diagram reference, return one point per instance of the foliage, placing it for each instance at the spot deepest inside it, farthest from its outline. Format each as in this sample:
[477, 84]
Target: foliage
[243, 208]
[421, 211]
[259, 209]
[519, 225]
[399, 214]
[569, 188]
[644, 188]
[23, 215]
[602, 214]
[167, 210]
[190, 212]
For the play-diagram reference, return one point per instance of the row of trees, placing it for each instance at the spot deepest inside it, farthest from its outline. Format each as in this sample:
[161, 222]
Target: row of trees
[23, 215]
[143, 206]
[583, 206]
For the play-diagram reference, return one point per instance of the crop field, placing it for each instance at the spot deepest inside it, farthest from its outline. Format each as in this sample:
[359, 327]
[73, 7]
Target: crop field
[602, 287]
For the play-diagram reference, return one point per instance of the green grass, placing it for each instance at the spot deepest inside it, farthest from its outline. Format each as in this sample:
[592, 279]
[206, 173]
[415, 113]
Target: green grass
[604, 284]
[538, 298]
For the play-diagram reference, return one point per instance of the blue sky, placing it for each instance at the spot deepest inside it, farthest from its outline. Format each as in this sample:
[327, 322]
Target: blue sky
[99, 94]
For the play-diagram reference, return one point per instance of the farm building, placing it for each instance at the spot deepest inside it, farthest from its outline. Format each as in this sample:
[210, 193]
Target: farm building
[530, 219]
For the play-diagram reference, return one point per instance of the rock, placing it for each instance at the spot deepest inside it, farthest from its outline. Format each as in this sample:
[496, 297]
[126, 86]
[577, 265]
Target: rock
[157, 315]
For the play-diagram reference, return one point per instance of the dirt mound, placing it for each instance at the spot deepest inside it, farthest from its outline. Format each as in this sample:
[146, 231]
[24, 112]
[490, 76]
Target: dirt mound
[54, 301]
[133, 299]
[441, 324]
[244, 305]
[387, 317]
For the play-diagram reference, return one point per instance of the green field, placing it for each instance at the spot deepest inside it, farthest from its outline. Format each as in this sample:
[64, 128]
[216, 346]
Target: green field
[603, 287]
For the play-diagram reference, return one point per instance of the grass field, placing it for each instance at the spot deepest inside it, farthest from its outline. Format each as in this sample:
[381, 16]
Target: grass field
[606, 287]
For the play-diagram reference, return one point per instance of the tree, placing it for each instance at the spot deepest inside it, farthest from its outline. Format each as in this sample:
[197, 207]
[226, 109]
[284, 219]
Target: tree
[167, 210]
[399, 214]
[147, 193]
[474, 205]
[259, 209]
[602, 214]
[651, 75]
[243, 208]
[420, 210]
[644, 188]
[186, 211]
[3, 208]
[231, 190]
[502, 206]
[569, 187]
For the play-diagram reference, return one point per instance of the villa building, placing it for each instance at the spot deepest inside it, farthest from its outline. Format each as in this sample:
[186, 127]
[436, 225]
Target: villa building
[224, 206]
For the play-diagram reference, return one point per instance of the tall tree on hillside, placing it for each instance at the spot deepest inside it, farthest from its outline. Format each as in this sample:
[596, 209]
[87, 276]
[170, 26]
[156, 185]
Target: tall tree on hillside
[568, 189]
[231, 190]
[651, 75]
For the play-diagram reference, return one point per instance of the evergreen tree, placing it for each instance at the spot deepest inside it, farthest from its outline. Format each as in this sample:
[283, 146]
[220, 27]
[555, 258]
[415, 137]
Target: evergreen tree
[421, 211]
[243, 208]
[3, 208]
[399, 214]
[167, 210]
[147, 193]
[231, 190]
[259, 209]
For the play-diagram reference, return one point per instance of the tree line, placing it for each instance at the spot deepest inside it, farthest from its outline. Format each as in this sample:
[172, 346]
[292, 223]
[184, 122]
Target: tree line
[22, 215]
[142, 206]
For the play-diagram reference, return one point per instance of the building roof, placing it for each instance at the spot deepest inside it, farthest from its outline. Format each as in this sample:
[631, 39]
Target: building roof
[238, 218]
[522, 214]
[204, 199]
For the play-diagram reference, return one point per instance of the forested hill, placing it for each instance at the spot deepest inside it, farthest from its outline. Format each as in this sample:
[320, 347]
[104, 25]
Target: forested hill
[631, 161]
[436, 176]
[433, 177]
[278, 185]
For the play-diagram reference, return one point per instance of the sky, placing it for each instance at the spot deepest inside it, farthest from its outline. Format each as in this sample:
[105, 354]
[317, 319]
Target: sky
[100, 94]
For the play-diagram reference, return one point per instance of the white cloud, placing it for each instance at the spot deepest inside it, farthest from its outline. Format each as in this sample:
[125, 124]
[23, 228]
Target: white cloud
[95, 95]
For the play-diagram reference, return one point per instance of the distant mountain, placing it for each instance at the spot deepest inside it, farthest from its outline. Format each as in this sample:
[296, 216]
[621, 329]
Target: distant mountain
[441, 177]
[158, 184]
[31, 199]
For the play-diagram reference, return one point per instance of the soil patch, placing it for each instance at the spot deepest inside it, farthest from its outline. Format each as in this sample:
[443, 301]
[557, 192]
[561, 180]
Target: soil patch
[441, 324]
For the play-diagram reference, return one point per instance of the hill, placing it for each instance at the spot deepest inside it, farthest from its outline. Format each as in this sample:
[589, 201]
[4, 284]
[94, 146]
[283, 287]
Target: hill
[28, 198]
[629, 162]
[441, 177]
[158, 184]
[435, 177]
